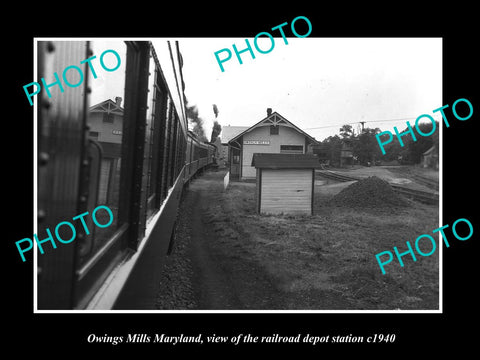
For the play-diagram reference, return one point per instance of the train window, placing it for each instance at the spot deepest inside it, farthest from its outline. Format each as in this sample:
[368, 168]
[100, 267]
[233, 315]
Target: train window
[174, 149]
[149, 136]
[105, 120]
[170, 151]
[162, 165]
[181, 152]
[156, 113]
[114, 161]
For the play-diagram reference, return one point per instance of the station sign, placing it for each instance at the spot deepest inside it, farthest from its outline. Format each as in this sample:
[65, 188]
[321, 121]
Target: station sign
[256, 142]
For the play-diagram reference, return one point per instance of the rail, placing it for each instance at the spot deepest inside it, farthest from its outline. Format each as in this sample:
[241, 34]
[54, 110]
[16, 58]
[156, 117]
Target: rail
[418, 195]
[426, 181]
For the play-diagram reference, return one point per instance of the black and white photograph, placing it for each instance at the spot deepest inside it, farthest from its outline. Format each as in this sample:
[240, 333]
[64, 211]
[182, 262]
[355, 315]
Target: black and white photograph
[225, 183]
[170, 184]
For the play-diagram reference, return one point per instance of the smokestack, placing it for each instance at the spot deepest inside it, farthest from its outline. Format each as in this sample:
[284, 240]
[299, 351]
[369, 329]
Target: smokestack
[269, 111]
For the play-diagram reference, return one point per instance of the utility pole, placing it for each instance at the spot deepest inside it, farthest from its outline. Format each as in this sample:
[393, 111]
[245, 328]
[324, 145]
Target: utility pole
[363, 123]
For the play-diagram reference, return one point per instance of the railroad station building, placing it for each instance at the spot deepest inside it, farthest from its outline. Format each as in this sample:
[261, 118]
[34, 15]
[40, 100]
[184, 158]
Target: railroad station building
[228, 133]
[274, 134]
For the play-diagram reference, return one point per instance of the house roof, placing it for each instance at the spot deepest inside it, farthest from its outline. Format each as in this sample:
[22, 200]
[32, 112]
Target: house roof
[274, 119]
[108, 106]
[429, 151]
[229, 132]
[285, 161]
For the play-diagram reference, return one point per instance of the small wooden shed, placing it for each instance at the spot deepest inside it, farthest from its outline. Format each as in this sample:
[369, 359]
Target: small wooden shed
[285, 183]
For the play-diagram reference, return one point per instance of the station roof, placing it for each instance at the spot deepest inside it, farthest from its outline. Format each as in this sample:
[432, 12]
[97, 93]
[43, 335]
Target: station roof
[229, 132]
[285, 161]
[273, 119]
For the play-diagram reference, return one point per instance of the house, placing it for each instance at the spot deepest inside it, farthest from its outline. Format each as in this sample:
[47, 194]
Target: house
[105, 122]
[430, 158]
[273, 134]
[346, 155]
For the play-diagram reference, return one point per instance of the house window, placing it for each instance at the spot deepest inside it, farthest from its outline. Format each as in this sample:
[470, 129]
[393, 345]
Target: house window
[108, 117]
[274, 129]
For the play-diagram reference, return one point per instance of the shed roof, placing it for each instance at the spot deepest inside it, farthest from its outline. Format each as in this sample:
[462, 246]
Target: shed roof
[285, 161]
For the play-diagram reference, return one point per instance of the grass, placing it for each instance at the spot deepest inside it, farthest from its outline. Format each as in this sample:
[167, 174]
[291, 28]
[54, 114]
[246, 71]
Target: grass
[327, 260]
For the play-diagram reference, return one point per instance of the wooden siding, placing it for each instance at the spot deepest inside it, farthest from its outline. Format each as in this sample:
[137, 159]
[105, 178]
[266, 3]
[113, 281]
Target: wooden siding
[285, 191]
[286, 136]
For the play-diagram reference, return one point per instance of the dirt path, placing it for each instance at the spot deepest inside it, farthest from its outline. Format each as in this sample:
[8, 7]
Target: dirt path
[212, 286]
[205, 272]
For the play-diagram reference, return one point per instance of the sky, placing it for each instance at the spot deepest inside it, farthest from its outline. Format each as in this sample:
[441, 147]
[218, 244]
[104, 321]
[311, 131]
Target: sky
[107, 85]
[318, 84]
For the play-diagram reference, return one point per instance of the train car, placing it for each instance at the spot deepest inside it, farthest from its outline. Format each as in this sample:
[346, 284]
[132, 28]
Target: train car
[200, 155]
[118, 139]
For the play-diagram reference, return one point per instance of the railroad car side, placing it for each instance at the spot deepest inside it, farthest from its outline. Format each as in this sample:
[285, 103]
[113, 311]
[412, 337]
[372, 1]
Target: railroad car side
[119, 140]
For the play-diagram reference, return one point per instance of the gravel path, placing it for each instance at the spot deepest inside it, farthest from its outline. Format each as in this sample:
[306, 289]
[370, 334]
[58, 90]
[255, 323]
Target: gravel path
[177, 290]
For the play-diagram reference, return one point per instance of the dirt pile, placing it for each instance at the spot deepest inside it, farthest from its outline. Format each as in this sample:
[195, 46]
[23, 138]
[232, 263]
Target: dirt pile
[371, 192]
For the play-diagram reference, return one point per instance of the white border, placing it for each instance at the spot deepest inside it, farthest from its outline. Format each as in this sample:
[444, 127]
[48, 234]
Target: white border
[35, 179]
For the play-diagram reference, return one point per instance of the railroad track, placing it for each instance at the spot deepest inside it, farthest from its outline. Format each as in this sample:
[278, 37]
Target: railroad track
[426, 181]
[418, 195]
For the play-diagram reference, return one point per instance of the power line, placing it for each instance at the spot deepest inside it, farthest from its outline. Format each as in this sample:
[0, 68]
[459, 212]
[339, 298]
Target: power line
[359, 122]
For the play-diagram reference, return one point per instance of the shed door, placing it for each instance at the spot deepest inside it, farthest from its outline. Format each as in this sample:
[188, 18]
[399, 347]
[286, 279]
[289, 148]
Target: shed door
[286, 191]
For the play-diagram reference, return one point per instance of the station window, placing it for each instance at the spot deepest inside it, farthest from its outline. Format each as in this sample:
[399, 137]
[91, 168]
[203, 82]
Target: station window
[291, 149]
[274, 129]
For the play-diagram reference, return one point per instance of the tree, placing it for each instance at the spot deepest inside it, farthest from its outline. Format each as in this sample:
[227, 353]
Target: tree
[411, 152]
[366, 148]
[423, 143]
[333, 147]
[346, 132]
